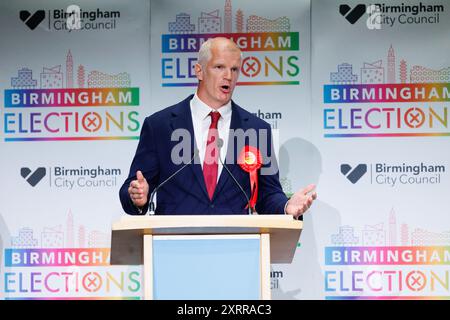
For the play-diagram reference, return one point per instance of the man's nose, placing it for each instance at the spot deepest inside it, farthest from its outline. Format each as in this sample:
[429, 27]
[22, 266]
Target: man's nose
[227, 74]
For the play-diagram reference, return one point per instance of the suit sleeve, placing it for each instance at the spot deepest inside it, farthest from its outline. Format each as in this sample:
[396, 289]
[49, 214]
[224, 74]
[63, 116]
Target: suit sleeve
[146, 160]
[271, 198]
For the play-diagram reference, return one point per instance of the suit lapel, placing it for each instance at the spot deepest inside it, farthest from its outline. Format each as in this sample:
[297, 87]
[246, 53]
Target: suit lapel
[182, 119]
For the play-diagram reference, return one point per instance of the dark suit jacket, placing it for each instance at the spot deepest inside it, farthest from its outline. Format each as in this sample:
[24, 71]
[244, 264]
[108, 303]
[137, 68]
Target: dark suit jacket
[186, 192]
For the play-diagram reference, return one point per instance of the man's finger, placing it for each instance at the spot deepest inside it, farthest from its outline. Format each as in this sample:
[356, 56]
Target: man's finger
[309, 188]
[134, 184]
[304, 207]
[306, 190]
[140, 176]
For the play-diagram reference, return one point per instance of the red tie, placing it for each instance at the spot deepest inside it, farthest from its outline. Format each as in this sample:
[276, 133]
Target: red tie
[210, 166]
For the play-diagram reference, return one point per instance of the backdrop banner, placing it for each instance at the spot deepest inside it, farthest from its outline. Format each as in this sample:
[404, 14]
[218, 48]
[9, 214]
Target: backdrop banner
[74, 93]
[380, 86]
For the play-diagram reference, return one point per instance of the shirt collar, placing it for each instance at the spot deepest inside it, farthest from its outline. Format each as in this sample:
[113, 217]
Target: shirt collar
[201, 110]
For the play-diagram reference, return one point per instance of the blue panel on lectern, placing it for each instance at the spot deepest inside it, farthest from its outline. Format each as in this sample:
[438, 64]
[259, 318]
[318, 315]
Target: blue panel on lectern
[206, 269]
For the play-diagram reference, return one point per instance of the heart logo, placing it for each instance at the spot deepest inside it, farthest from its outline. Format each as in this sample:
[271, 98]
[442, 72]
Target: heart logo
[353, 175]
[33, 178]
[32, 20]
[352, 15]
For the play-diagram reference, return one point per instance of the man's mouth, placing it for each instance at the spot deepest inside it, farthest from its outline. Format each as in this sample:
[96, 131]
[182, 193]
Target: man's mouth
[225, 88]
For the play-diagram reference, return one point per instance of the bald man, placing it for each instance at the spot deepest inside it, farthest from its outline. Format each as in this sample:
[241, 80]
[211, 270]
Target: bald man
[201, 184]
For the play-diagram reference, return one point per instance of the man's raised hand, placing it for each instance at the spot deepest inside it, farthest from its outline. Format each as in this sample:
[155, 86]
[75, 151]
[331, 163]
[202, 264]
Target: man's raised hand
[138, 190]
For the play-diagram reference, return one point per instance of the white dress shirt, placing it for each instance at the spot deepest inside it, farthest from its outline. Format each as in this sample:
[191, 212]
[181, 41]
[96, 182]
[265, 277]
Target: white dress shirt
[201, 121]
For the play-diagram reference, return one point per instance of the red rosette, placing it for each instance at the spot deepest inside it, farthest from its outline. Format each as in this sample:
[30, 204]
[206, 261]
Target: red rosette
[250, 160]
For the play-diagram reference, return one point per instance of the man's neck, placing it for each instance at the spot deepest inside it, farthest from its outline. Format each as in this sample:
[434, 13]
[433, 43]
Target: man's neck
[212, 106]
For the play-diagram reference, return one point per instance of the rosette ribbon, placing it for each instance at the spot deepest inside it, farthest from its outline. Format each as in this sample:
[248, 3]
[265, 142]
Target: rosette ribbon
[250, 160]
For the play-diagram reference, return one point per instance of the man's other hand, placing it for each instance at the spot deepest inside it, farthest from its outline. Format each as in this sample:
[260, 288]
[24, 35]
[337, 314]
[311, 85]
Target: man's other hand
[301, 201]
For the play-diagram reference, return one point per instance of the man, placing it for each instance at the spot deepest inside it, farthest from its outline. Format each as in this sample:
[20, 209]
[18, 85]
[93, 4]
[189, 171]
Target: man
[204, 186]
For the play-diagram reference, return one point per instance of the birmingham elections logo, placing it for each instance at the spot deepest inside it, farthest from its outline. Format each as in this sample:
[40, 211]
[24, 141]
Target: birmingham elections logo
[386, 95]
[33, 177]
[271, 45]
[86, 102]
[32, 20]
[353, 174]
[352, 15]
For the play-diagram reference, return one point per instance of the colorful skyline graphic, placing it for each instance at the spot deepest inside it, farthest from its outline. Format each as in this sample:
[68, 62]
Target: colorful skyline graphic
[52, 78]
[386, 234]
[211, 22]
[68, 236]
[375, 72]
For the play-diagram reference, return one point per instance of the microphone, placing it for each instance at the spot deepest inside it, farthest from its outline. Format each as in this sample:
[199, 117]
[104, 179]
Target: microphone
[151, 205]
[220, 145]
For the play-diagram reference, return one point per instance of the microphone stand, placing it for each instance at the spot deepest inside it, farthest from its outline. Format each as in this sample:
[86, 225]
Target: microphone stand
[151, 205]
[220, 144]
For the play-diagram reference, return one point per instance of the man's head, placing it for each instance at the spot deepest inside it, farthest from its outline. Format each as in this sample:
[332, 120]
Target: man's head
[219, 63]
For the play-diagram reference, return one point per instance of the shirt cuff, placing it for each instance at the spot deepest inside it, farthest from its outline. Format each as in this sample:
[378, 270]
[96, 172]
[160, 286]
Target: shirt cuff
[285, 206]
[139, 209]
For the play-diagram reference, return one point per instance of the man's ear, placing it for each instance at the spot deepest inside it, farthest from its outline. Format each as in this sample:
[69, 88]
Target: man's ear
[198, 71]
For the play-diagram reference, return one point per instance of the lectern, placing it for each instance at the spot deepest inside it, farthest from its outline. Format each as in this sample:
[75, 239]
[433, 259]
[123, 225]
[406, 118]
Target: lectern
[205, 257]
